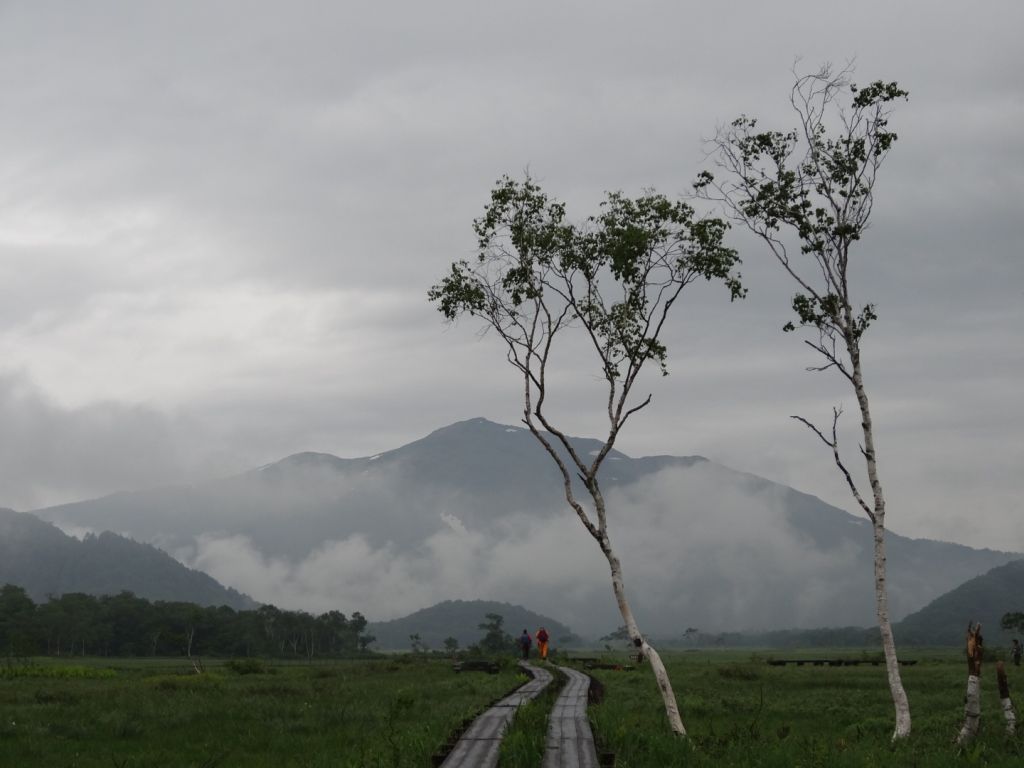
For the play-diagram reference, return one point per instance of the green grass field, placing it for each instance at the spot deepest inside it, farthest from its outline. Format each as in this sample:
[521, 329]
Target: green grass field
[396, 712]
[741, 712]
[360, 714]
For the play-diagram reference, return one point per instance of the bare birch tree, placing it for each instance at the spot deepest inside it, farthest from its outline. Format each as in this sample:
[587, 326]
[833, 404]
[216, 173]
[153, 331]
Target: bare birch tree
[613, 278]
[808, 195]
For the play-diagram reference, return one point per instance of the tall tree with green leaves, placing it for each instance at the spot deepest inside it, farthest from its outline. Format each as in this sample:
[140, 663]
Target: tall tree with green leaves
[808, 194]
[495, 639]
[607, 285]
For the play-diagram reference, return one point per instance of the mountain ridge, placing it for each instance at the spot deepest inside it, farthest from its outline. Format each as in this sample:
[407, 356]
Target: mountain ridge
[985, 599]
[42, 559]
[476, 508]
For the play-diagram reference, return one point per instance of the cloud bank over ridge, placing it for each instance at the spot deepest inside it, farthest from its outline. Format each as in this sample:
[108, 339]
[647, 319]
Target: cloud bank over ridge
[692, 555]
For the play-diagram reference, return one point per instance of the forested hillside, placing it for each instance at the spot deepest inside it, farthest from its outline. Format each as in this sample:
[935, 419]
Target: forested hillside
[985, 598]
[126, 625]
[45, 561]
[461, 619]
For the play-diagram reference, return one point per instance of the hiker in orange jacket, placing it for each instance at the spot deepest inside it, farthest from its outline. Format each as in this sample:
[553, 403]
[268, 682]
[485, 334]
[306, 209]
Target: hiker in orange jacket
[542, 643]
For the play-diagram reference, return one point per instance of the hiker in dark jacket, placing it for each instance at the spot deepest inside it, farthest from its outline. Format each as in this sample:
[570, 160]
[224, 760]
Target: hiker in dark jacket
[1015, 652]
[525, 641]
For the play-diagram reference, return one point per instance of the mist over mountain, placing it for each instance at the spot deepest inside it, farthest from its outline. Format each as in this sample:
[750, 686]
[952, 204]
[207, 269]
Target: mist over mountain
[43, 560]
[475, 511]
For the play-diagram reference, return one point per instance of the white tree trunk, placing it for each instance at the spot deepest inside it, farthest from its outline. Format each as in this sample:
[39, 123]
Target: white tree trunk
[1010, 716]
[197, 664]
[668, 696]
[892, 665]
[972, 711]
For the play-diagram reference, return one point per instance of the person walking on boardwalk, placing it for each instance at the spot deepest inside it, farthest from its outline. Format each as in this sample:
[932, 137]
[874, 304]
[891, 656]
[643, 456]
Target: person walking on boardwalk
[542, 643]
[524, 642]
[1015, 651]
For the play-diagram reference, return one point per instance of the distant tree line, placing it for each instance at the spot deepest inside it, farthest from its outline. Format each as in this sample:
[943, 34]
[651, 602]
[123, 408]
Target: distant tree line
[1014, 622]
[823, 637]
[77, 624]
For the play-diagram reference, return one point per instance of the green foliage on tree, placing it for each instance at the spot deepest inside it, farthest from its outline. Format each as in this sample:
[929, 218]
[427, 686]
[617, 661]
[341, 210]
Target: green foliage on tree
[495, 639]
[416, 644]
[814, 185]
[640, 251]
[17, 628]
[620, 635]
[1013, 622]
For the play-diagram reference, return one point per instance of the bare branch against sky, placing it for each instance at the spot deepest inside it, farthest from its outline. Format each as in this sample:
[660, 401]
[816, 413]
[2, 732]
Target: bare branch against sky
[217, 222]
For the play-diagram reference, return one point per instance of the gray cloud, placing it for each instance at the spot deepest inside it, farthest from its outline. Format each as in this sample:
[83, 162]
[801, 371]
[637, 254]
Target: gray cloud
[218, 222]
[49, 452]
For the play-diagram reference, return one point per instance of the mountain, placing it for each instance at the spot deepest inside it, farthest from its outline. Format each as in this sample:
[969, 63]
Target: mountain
[479, 470]
[43, 560]
[461, 619]
[475, 511]
[985, 598]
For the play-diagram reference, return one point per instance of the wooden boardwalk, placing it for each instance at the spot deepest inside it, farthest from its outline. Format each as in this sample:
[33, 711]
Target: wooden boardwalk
[478, 747]
[570, 742]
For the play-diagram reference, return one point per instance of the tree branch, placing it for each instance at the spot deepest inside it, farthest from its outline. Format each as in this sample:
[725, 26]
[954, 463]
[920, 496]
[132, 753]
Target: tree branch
[834, 445]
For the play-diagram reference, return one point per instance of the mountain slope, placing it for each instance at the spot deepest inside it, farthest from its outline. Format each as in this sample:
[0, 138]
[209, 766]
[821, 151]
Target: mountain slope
[984, 598]
[43, 560]
[461, 619]
[475, 510]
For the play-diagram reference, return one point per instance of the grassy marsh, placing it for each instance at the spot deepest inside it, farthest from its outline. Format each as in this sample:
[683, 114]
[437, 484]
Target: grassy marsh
[387, 713]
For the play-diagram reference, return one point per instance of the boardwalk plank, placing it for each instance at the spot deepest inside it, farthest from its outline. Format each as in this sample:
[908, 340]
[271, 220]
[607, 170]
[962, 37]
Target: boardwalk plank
[570, 741]
[480, 744]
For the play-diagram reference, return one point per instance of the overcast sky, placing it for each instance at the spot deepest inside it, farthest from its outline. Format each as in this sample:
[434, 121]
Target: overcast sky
[219, 220]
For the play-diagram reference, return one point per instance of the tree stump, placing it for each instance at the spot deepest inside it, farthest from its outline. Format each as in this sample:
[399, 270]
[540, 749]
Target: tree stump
[972, 701]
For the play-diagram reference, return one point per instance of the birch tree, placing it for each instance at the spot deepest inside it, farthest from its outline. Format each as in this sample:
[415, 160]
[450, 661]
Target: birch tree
[972, 701]
[808, 195]
[607, 284]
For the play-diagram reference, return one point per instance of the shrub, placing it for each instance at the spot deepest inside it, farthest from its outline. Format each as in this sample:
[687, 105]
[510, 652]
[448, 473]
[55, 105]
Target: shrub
[249, 667]
[188, 682]
[62, 673]
[737, 672]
